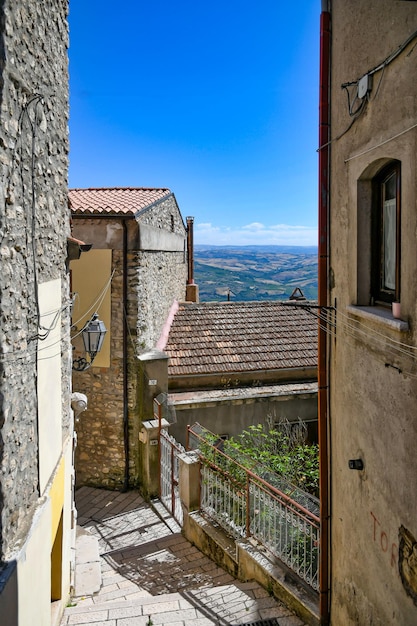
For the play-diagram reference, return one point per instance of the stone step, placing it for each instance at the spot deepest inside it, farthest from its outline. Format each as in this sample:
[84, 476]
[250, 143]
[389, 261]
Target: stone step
[87, 579]
[162, 512]
[239, 603]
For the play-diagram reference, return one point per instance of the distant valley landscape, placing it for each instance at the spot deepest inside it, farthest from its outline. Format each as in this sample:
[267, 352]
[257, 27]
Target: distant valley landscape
[247, 273]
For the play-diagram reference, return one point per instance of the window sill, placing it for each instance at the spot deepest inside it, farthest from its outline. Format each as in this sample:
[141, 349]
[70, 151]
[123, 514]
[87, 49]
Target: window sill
[378, 315]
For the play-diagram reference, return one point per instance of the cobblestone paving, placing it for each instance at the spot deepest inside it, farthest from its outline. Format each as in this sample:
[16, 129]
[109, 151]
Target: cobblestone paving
[152, 575]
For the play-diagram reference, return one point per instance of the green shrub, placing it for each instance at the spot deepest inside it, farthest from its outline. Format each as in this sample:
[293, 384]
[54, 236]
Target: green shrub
[282, 449]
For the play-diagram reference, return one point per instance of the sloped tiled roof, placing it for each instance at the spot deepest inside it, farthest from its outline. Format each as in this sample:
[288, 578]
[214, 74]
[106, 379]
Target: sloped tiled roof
[113, 200]
[231, 337]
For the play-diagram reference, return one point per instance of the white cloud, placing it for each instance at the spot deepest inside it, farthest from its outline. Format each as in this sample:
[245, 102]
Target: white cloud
[255, 226]
[255, 234]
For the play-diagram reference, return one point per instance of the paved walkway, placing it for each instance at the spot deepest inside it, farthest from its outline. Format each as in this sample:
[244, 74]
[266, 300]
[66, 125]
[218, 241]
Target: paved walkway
[151, 575]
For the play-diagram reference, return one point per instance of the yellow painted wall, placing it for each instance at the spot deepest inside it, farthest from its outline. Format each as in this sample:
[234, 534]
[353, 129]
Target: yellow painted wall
[56, 494]
[90, 276]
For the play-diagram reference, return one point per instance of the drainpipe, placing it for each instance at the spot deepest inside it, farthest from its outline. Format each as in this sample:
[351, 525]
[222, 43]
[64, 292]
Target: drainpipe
[323, 266]
[125, 364]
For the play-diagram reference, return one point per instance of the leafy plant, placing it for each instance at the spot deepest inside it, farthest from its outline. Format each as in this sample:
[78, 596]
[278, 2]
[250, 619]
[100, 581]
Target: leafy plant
[283, 449]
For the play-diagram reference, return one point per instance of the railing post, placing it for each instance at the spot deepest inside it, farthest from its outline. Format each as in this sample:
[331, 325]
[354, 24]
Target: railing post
[158, 416]
[151, 456]
[189, 480]
[172, 480]
[247, 504]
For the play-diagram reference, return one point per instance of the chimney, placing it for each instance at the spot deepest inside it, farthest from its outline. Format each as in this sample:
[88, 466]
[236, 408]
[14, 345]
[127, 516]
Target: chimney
[191, 292]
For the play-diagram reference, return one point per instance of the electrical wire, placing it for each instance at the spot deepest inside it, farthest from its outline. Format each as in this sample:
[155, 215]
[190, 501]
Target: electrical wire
[34, 100]
[95, 306]
[355, 114]
[390, 58]
[382, 143]
[11, 357]
[375, 340]
[376, 332]
[397, 350]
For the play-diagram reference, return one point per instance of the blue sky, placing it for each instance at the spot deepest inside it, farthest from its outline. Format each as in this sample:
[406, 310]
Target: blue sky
[217, 101]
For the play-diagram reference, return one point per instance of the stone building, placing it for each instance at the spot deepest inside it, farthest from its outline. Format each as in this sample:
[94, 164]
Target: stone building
[368, 226]
[136, 269]
[236, 364]
[36, 425]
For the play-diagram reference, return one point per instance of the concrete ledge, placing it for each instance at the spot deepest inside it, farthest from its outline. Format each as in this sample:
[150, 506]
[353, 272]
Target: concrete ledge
[247, 561]
[255, 563]
[212, 541]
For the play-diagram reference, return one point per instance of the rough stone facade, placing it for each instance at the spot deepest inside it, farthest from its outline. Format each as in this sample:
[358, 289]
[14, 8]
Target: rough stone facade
[37, 531]
[33, 231]
[160, 275]
[155, 278]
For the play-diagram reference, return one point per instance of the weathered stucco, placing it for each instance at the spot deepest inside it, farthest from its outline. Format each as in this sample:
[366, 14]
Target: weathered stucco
[229, 411]
[373, 392]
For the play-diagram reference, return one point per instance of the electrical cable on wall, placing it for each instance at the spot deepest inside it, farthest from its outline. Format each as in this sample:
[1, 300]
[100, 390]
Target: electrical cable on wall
[374, 339]
[32, 104]
[95, 306]
[395, 350]
[361, 88]
[14, 355]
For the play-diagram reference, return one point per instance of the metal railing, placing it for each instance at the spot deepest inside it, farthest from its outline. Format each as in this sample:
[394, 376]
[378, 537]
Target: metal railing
[245, 505]
[169, 474]
[169, 449]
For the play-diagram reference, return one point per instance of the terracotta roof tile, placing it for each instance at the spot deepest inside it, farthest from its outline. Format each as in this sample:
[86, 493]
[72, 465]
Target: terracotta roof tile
[227, 337]
[113, 200]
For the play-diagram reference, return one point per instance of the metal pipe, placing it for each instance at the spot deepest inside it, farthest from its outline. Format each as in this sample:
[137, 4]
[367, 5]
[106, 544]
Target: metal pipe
[125, 364]
[323, 263]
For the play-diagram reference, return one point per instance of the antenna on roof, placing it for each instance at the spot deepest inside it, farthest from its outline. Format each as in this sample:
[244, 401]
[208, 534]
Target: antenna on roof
[297, 294]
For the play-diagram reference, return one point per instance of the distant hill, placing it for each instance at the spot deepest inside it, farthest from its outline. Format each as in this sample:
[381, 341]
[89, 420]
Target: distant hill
[255, 272]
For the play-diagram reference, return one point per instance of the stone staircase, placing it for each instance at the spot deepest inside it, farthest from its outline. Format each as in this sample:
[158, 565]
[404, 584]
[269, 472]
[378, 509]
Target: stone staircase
[135, 569]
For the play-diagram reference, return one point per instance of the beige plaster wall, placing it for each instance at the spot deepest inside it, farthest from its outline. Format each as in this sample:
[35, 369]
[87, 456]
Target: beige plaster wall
[91, 282]
[373, 390]
[232, 416]
[34, 590]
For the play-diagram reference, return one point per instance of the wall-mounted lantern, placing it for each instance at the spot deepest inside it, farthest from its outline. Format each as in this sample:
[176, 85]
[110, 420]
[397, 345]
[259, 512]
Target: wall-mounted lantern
[93, 335]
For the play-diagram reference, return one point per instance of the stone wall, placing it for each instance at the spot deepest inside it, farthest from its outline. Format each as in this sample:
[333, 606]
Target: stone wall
[34, 225]
[161, 279]
[163, 214]
[155, 280]
[161, 275]
[100, 449]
